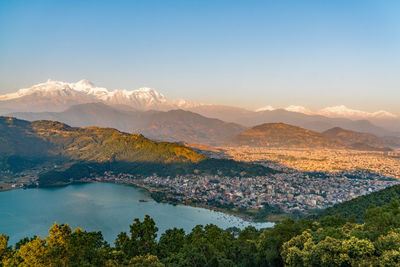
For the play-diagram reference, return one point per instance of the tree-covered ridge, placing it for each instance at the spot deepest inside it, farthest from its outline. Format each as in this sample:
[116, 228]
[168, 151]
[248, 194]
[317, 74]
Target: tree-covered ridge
[354, 209]
[332, 241]
[93, 150]
[49, 139]
[106, 144]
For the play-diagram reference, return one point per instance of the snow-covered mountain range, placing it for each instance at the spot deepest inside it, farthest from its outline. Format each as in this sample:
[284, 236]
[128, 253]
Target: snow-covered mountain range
[56, 96]
[340, 111]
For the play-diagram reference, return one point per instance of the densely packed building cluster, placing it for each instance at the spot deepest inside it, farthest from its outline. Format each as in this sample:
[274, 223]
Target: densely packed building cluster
[294, 191]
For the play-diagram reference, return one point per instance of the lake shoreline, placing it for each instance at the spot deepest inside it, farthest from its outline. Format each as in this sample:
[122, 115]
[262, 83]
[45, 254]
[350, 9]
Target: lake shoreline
[245, 217]
[101, 206]
[272, 218]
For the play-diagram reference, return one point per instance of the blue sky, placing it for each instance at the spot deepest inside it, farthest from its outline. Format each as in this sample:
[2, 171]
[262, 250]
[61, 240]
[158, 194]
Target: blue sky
[244, 53]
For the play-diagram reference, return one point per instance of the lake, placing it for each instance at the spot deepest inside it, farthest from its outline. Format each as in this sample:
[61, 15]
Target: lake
[105, 207]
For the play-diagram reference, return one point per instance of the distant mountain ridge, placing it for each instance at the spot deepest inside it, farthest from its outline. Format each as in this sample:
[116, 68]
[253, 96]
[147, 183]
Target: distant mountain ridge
[340, 111]
[189, 127]
[173, 125]
[56, 96]
[311, 122]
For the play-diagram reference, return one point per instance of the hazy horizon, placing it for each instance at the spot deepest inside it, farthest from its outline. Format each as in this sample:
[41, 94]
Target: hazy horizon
[313, 54]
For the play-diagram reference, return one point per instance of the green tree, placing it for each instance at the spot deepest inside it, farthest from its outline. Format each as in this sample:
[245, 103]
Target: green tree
[5, 250]
[381, 220]
[271, 240]
[295, 252]
[390, 258]
[206, 246]
[146, 261]
[58, 243]
[387, 242]
[171, 242]
[35, 254]
[358, 250]
[87, 249]
[246, 246]
[142, 240]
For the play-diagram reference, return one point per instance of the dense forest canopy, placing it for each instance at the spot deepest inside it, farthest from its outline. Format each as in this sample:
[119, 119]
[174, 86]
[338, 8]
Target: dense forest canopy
[331, 241]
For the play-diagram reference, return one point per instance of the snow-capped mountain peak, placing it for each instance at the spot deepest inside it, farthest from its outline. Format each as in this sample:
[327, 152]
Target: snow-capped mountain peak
[340, 111]
[343, 111]
[301, 109]
[265, 108]
[47, 88]
[84, 84]
[59, 95]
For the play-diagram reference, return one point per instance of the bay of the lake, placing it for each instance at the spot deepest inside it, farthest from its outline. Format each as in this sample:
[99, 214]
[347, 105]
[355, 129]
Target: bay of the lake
[106, 207]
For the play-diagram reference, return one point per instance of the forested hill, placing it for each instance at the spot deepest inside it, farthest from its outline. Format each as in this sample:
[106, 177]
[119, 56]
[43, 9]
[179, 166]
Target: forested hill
[94, 144]
[24, 144]
[356, 207]
[280, 135]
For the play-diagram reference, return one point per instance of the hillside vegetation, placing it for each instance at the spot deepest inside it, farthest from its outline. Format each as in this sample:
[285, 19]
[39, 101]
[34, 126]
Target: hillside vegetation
[50, 138]
[283, 135]
[355, 208]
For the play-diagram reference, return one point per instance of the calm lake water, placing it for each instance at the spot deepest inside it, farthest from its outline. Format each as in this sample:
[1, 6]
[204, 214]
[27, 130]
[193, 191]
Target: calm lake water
[105, 207]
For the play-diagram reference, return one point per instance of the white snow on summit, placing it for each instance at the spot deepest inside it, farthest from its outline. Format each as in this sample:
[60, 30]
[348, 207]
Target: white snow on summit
[143, 98]
[300, 109]
[266, 108]
[57, 96]
[343, 111]
[336, 112]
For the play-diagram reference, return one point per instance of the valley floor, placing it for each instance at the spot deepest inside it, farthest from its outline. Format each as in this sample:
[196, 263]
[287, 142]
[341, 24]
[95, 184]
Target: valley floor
[326, 160]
